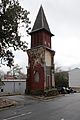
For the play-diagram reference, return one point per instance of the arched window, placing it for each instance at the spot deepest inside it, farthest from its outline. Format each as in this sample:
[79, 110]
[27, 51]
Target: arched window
[36, 77]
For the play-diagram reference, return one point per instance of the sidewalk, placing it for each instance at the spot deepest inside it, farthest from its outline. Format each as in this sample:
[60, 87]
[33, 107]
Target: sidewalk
[5, 102]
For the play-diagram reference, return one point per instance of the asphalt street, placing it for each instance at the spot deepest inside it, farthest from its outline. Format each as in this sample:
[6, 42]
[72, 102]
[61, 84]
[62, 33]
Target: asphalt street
[61, 108]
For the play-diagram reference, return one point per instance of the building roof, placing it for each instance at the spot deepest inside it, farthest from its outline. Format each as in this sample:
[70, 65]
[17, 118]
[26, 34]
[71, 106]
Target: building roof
[12, 77]
[75, 69]
[41, 22]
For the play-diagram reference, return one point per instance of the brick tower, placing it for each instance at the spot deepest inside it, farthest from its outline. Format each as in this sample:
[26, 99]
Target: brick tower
[40, 74]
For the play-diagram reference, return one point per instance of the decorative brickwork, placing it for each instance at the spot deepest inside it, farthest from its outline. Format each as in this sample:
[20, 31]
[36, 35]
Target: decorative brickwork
[36, 56]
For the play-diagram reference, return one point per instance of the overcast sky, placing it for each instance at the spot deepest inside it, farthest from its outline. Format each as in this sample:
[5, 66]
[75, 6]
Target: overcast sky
[63, 17]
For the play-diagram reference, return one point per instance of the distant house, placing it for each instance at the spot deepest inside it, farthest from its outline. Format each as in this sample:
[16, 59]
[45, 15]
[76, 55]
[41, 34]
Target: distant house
[74, 78]
[14, 84]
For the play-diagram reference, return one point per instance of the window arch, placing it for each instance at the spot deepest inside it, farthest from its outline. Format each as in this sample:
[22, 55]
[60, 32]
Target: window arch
[36, 77]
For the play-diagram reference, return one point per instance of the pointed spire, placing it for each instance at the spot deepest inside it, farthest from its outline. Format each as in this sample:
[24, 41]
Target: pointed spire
[41, 22]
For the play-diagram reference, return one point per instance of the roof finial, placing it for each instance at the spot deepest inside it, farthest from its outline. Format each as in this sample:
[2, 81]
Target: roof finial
[43, 2]
[41, 5]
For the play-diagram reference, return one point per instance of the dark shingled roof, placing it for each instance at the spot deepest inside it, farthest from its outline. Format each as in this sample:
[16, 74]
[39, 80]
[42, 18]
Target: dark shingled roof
[41, 22]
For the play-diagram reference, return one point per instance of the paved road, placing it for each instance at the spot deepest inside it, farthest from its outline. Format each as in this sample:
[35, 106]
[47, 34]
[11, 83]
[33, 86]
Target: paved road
[62, 108]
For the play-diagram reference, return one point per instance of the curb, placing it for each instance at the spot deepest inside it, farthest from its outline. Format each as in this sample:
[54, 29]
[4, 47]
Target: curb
[9, 104]
[45, 98]
[1, 95]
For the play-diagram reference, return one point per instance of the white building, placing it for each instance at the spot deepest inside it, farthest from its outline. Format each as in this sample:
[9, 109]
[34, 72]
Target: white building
[74, 78]
[13, 85]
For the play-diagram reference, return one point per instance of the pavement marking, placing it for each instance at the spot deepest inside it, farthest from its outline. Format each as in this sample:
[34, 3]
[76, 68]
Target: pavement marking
[62, 118]
[18, 116]
[28, 113]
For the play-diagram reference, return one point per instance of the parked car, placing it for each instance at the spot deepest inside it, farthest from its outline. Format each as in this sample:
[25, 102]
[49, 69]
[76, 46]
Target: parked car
[64, 90]
[71, 90]
[61, 90]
